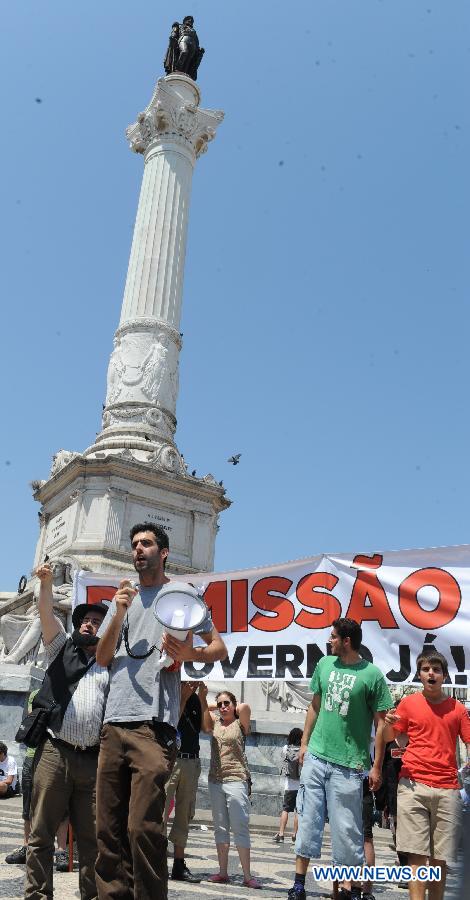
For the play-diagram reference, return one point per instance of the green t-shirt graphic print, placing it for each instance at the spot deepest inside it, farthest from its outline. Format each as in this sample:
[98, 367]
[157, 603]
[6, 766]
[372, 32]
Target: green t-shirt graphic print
[350, 695]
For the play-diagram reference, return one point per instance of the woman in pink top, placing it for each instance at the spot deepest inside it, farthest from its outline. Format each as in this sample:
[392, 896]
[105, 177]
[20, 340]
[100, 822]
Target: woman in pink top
[229, 781]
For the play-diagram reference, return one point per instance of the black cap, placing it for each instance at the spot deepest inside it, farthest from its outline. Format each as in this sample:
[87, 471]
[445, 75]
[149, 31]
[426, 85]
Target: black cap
[83, 608]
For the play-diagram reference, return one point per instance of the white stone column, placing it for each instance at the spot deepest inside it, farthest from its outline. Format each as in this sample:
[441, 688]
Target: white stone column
[140, 410]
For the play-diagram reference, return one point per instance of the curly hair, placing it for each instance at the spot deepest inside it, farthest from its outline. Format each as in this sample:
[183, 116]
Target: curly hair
[160, 534]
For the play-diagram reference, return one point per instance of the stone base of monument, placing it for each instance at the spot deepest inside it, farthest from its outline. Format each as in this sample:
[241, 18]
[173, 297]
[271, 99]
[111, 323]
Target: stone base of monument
[263, 749]
[16, 684]
[90, 504]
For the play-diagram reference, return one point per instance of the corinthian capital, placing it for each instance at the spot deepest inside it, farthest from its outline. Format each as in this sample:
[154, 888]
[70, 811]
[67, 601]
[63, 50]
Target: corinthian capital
[171, 114]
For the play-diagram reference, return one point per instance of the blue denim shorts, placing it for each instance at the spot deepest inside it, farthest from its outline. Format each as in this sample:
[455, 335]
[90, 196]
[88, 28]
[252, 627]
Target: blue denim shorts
[327, 789]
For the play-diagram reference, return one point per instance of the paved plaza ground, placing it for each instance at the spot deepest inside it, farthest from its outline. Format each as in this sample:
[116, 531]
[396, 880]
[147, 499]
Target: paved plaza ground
[272, 863]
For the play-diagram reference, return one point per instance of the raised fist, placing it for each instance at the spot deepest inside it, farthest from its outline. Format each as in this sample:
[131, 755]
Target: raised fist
[44, 573]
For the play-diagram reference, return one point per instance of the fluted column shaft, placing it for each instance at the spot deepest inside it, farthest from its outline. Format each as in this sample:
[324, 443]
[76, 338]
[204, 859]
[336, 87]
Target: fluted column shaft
[154, 285]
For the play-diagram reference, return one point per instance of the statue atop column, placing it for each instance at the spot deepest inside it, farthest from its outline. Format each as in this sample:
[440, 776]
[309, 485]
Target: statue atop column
[184, 53]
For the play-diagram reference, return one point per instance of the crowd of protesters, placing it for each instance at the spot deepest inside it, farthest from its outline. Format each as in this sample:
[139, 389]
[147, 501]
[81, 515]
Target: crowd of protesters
[121, 749]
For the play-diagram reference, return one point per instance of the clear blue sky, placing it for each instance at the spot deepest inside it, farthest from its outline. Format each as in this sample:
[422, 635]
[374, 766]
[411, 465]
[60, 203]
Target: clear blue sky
[325, 317]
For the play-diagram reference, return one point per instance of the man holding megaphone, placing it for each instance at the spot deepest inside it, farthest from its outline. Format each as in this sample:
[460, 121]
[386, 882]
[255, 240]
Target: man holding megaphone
[139, 736]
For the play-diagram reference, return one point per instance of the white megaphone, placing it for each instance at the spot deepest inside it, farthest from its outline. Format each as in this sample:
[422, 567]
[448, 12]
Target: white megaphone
[179, 608]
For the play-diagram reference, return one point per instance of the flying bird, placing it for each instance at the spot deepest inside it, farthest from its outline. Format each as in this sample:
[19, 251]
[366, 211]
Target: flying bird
[38, 99]
[235, 459]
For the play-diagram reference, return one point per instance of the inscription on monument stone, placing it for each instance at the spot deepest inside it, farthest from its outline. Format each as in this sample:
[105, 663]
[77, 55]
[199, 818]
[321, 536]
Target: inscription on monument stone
[57, 530]
[163, 521]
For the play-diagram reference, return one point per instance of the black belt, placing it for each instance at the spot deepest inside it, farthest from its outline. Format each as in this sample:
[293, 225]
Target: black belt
[94, 749]
[135, 724]
[188, 755]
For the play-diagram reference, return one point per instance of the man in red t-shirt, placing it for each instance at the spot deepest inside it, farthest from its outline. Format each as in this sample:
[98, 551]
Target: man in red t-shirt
[429, 803]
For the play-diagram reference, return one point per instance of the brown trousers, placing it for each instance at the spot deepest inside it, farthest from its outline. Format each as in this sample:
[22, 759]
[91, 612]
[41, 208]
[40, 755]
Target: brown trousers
[134, 764]
[64, 784]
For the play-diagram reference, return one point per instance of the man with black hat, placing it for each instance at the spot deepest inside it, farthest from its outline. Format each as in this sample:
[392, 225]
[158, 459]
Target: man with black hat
[75, 689]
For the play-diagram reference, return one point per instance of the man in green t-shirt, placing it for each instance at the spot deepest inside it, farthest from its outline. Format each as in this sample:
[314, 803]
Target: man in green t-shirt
[349, 694]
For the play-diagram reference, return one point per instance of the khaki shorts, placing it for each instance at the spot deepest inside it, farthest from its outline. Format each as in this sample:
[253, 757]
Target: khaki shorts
[182, 787]
[428, 820]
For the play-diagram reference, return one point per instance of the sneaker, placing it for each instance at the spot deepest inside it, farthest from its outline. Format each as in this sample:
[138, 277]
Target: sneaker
[278, 839]
[16, 857]
[366, 895]
[294, 838]
[61, 861]
[295, 894]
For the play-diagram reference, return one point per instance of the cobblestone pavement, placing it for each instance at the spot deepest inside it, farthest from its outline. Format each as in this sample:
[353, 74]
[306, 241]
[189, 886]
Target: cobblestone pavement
[272, 863]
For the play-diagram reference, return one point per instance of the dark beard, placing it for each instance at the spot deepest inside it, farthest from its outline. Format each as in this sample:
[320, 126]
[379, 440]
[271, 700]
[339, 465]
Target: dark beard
[84, 640]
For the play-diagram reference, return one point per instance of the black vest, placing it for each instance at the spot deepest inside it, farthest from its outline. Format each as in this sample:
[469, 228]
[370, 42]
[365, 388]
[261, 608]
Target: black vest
[60, 681]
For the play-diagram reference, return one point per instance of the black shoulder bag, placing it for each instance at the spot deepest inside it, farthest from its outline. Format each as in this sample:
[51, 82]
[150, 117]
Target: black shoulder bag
[49, 703]
[32, 730]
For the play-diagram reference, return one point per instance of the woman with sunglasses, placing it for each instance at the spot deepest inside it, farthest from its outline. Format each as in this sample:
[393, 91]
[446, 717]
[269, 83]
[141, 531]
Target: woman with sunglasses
[229, 781]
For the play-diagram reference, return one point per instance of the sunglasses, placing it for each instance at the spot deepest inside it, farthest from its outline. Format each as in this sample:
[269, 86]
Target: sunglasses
[222, 703]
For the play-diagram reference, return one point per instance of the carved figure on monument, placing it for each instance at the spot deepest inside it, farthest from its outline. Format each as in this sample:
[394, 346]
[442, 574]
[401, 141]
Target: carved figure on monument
[115, 371]
[36, 484]
[184, 53]
[62, 459]
[291, 695]
[142, 367]
[153, 368]
[21, 633]
[171, 460]
[160, 373]
[126, 368]
[166, 456]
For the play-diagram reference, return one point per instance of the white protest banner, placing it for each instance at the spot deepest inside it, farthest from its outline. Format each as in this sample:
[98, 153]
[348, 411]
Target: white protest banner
[276, 620]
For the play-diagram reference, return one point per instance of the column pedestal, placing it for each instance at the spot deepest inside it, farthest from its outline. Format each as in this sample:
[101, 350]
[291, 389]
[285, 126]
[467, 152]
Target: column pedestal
[90, 505]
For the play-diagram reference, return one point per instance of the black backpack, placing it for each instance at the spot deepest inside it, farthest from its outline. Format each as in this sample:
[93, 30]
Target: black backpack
[290, 767]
